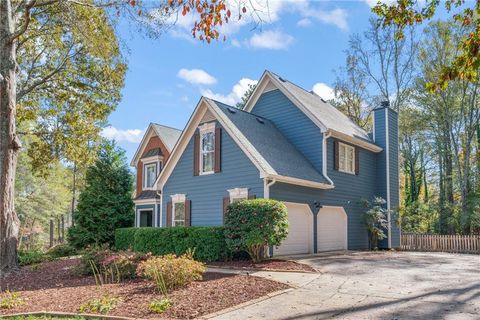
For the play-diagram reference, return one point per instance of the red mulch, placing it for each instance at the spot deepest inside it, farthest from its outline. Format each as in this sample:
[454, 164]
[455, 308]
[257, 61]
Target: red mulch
[270, 265]
[54, 287]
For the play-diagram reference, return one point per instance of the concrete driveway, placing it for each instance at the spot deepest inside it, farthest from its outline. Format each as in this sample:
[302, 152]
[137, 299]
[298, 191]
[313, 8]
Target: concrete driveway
[384, 285]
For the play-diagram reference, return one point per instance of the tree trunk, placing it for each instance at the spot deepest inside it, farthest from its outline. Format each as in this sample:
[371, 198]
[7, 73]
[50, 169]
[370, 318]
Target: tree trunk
[9, 143]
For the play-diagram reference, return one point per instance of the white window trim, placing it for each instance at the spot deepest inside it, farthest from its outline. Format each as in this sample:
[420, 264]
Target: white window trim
[152, 210]
[177, 198]
[347, 147]
[208, 127]
[152, 159]
[157, 167]
[238, 193]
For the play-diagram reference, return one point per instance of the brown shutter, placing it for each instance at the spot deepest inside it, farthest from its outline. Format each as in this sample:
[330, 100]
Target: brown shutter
[252, 196]
[196, 154]
[357, 160]
[226, 202]
[169, 214]
[188, 213]
[336, 155]
[218, 150]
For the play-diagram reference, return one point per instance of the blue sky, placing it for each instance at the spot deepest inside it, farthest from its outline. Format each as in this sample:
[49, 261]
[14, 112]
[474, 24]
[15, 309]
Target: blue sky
[299, 40]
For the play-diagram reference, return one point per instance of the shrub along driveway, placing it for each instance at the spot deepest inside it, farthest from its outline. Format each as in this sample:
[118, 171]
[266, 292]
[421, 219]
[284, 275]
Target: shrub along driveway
[385, 285]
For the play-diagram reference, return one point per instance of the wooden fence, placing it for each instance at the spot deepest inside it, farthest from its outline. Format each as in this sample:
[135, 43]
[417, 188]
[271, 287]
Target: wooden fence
[442, 243]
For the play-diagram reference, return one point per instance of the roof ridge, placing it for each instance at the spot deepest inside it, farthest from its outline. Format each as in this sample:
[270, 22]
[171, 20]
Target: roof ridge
[165, 126]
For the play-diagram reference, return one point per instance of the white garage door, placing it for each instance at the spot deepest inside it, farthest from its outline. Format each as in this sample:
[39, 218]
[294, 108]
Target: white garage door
[299, 239]
[331, 229]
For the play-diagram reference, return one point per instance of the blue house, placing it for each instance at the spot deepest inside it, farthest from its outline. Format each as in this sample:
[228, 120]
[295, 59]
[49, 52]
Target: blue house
[290, 145]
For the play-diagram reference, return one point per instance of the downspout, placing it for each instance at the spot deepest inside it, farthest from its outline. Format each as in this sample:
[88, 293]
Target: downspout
[266, 188]
[327, 134]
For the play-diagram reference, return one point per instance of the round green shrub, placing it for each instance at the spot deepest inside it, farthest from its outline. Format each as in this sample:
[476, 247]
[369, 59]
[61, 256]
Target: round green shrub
[252, 225]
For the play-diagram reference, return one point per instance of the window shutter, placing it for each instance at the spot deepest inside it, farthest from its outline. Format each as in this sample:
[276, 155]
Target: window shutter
[252, 196]
[226, 202]
[196, 154]
[169, 214]
[357, 161]
[336, 155]
[188, 213]
[218, 150]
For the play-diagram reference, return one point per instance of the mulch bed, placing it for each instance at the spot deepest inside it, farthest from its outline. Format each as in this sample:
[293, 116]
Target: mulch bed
[53, 286]
[270, 265]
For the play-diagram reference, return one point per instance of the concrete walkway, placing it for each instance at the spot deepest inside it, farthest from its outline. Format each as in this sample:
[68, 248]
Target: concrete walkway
[399, 285]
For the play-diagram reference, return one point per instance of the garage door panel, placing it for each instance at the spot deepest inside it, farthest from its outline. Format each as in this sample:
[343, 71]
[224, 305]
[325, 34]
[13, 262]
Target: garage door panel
[300, 228]
[331, 229]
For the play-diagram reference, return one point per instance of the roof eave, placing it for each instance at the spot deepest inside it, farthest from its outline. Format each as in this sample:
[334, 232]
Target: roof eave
[300, 182]
[356, 141]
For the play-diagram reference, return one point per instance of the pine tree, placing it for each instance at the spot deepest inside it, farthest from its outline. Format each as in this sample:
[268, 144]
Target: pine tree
[106, 202]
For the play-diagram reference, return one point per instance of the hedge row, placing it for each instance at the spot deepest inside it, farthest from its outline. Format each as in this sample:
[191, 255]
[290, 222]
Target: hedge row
[208, 242]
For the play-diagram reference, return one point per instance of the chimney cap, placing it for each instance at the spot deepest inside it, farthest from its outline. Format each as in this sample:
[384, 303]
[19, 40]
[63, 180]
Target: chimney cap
[385, 104]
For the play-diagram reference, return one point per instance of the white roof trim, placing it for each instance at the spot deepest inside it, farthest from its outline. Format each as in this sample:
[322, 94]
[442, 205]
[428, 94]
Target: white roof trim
[267, 78]
[146, 137]
[300, 182]
[358, 142]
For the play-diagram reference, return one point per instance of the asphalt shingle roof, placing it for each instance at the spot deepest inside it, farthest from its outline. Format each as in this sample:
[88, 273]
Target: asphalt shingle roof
[282, 156]
[168, 135]
[147, 194]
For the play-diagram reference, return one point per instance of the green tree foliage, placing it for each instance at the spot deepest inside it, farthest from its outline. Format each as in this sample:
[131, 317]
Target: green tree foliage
[246, 96]
[253, 225]
[106, 203]
[39, 199]
[375, 220]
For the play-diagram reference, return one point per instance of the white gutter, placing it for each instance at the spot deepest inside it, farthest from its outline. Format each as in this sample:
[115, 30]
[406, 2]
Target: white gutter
[387, 150]
[161, 208]
[266, 187]
[327, 134]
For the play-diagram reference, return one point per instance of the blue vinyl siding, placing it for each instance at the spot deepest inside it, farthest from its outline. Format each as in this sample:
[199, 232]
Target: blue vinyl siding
[293, 124]
[207, 192]
[348, 193]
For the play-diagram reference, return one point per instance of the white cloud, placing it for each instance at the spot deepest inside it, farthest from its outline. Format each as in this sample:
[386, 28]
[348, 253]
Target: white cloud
[236, 43]
[196, 76]
[373, 3]
[274, 40]
[305, 22]
[235, 95]
[184, 99]
[337, 17]
[324, 91]
[129, 135]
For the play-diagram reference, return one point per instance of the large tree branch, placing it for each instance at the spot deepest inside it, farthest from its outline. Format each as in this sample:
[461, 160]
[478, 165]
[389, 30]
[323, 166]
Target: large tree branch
[26, 21]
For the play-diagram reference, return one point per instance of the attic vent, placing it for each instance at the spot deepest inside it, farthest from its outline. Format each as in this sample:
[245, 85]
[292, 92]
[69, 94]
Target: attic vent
[323, 100]
[281, 79]
[232, 110]
[260, 120]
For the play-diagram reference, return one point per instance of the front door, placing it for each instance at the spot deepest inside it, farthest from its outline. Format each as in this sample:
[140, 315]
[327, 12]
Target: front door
[146, 218]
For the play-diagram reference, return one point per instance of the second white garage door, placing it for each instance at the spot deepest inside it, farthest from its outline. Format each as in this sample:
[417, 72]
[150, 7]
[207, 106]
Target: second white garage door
[331, 229]
[300, 229]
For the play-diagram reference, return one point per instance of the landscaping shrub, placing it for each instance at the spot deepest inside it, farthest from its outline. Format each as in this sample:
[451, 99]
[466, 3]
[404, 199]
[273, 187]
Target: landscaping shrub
[252, 225]
[171, 271]
[125, 238]
[28, 257]
[208, 242]
[61, 250]
[124, 263]
[160, 306]
[10, 300]
[375, 219]
[95, 255]
[99, 305]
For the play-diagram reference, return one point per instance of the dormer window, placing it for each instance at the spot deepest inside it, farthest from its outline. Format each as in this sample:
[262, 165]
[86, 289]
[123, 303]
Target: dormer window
[150, 175]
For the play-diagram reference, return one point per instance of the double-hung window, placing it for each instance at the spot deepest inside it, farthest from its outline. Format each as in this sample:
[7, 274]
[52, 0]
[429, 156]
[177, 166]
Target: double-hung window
[346, 161]
[150, 174]
[238, 194]
[178, 210]
[207, 148]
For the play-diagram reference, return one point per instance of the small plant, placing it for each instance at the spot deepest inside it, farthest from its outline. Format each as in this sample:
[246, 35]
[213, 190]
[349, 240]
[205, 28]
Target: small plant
[375, 221]
[253, 225]
[62, 250]
[160, 306]
[99, 305]
[170, 271]
[10, 300]
[105, 275]
[29, 257]
[93, 254]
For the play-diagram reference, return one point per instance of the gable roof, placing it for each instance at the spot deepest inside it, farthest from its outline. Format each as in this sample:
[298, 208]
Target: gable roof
[326, 116]
[168, 135]
[262, 151]
[272, 145]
